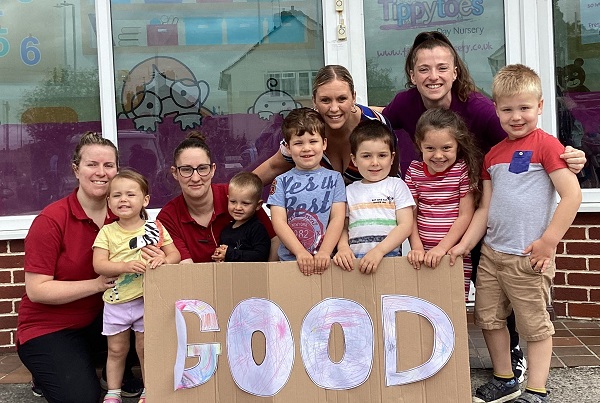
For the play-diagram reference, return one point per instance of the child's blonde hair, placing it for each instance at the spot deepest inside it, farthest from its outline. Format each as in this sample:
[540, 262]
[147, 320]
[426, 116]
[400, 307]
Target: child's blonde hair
[140, 180]
[248, 180]
[516, 79]
[467, 150]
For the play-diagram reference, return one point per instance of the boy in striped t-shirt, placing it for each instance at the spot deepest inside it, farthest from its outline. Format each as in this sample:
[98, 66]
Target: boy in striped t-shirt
[379, 207]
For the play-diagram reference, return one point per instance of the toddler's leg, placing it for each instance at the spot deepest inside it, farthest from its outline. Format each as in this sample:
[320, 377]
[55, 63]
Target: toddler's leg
[539, 354]
[118, 346]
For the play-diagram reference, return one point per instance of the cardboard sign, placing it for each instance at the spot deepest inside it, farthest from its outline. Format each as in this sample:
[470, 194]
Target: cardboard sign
[256, 332]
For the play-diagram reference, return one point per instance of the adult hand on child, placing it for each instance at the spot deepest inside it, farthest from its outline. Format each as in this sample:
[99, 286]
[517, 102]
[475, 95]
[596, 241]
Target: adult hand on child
[433, 256]
[416, 257]
[219, 253]
[104, 283]
[456, 251]
[344, 258]
[152, 251]
[156, 261]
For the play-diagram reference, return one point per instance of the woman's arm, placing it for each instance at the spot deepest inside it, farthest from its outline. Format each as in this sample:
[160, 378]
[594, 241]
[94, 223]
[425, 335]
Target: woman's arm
[275, 165]
[45, 290]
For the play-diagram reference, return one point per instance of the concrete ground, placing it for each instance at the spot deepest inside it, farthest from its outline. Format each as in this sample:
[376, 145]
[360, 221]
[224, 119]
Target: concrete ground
[567, 385]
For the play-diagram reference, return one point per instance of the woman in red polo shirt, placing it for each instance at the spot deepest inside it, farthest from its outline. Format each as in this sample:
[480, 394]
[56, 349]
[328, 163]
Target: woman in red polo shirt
[62, 301]
[196, 218]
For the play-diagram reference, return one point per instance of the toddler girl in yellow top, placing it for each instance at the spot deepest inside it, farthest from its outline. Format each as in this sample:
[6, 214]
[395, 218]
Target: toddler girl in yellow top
[117, 252]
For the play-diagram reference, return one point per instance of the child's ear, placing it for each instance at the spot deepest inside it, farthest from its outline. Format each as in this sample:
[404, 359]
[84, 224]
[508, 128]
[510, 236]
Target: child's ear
[353, 158]
[259, 204]
[146, 200]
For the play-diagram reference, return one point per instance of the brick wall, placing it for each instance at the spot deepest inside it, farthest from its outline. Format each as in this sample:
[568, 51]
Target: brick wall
[12, 288]
[576, 286]
[577, 282]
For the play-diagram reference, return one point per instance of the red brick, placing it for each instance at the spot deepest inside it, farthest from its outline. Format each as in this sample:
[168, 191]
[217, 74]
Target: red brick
[13, 291]
[8, 322]
[560, 278]
[570, 294]
[594, 264]
[582, 248]
[560, 248]
[594, 233]
[3, 246]
[560, 308]
[6, 307]
[18, 276]
[11, 261]
[572, 233]
[17, 304]
[584, 310]
[17, 245]
[570, 263]
[587, 219]
[590, 279]
[594, 295]
[5, 277]
[5, 338]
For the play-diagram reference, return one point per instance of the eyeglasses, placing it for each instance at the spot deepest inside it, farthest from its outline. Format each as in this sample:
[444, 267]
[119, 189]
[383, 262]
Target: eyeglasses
[187, 171]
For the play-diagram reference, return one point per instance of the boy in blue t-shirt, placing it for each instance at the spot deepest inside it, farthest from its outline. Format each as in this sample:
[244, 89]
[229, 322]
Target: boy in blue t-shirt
[308, 203]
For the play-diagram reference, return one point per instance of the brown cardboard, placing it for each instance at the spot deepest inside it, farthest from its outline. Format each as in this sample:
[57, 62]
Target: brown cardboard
[224, 285]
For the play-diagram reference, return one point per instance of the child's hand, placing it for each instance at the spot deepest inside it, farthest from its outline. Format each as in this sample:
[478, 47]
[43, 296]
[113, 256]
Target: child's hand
[433, 256]
[219, 254]
[456, 251]
[344, 258]
[306, 262]
[156, 261]
[322, 261]
[416, 257]
[369, 262]
[134, 266]
[541, 254]
[150, 251]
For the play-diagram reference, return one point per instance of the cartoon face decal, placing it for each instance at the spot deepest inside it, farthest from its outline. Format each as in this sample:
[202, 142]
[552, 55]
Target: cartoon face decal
[273, 102]
[161, 86]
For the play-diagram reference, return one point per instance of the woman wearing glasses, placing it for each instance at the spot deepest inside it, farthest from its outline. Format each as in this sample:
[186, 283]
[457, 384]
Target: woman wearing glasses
[196, 218]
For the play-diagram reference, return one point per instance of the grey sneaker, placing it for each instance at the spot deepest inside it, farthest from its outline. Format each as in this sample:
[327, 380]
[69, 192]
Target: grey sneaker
[527, 397]
[496, 391]
[519, 363]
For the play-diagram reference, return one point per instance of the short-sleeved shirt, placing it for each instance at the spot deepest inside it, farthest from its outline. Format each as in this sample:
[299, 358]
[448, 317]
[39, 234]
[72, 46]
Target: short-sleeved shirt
[307, 197]
[194, 240]
[371, 211]
[478, 112]
[438, 198]
[124, 246]
[523, 195]
[351, 173]
[59, 244]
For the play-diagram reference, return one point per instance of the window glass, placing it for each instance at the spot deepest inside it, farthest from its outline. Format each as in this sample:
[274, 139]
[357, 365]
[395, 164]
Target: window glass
[229, 69]
[475, 28]
[577, 61]
[49, 95]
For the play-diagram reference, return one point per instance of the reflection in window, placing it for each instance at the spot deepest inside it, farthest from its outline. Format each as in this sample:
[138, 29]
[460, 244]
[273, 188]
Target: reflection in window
[577, 60]
[230, 70]
[50, 96]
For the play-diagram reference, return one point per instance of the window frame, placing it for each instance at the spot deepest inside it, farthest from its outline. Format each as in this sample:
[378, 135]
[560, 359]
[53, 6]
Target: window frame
[528, 38]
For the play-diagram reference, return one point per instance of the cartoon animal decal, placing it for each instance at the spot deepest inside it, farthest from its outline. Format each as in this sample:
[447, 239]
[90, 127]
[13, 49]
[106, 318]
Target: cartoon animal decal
[272, 102]
[161, 86]
[572, 76]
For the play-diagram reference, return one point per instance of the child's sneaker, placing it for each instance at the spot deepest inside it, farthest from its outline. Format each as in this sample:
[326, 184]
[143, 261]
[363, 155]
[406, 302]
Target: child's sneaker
[519, 363]
[528, 397]
[496, 391]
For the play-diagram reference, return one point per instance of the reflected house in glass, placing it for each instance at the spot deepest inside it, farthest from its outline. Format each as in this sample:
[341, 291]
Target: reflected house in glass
[290, 52]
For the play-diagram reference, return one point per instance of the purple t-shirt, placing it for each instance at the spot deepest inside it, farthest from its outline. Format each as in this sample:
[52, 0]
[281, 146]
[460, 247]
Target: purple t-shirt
[478, 113]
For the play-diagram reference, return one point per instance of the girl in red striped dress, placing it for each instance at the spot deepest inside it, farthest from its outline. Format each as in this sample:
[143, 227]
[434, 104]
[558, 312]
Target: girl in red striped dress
[445, 187]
